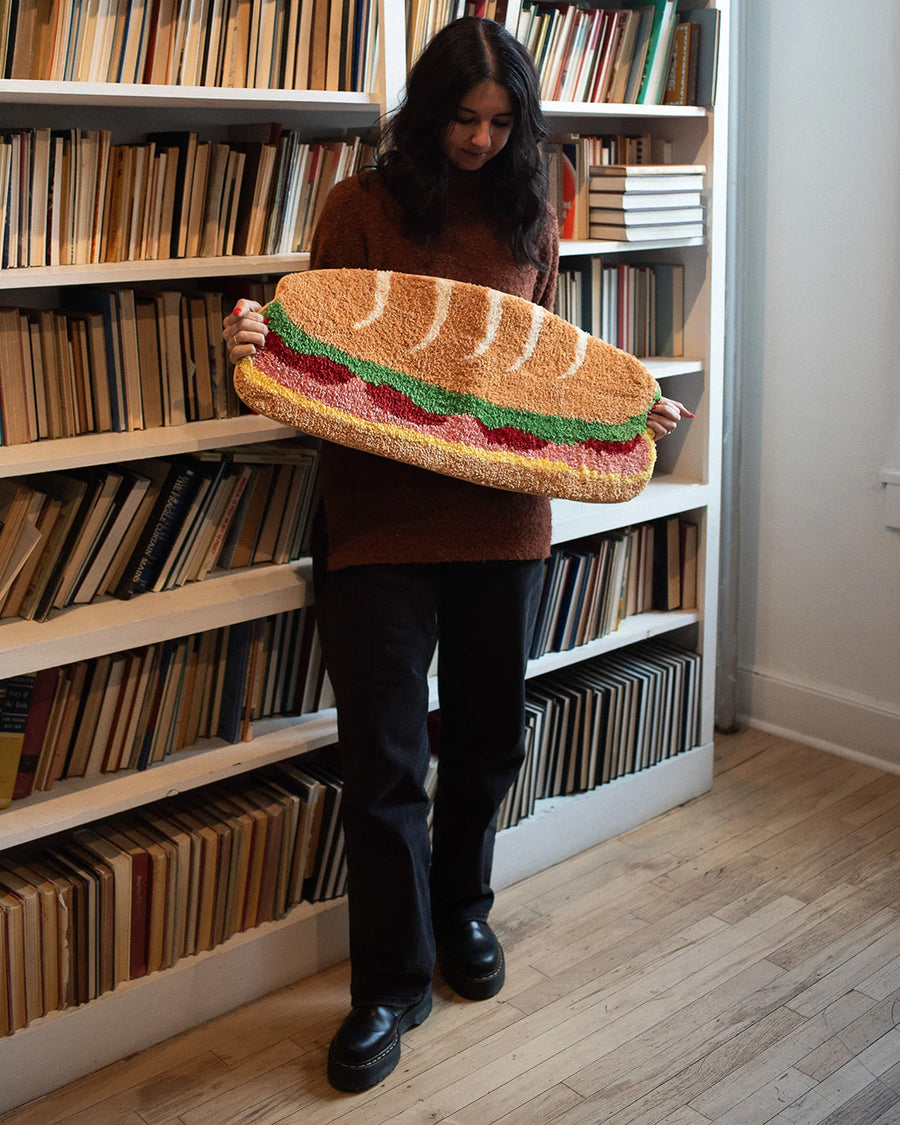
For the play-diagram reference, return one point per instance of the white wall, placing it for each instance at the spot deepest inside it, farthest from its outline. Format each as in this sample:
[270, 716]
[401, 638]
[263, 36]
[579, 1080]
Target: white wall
[818, 187]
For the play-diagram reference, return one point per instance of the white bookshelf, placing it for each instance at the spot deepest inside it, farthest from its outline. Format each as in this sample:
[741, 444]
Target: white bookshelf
[60, 1047]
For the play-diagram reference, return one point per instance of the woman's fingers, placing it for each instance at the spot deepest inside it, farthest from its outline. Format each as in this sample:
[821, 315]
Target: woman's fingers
[244, 330]
[665, 415]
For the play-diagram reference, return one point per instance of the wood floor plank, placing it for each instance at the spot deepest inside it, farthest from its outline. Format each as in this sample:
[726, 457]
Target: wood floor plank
[766, 1067]
[685, 1116]
[544, 1109]
[892, 1078]
[733, 961]
[177, 1091]
[765, 1103]
[845, 976]
[829, 1100]
[890, 1116]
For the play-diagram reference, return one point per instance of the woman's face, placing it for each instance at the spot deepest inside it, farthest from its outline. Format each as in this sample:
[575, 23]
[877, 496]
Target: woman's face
[481, 126]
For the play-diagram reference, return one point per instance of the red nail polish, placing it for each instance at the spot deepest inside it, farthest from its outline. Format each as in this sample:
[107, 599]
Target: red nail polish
[237, 311]
[689, 414]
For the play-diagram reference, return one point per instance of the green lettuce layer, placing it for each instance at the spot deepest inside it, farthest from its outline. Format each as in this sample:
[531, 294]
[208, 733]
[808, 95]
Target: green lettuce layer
[436, 400]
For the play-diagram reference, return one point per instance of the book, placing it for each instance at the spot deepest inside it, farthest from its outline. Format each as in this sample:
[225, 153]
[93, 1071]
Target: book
[660, 232]
[120, 864]
[681, 85]
[15, 701]
[43, 690]
[55, 751]
[44, 872]
[157, 471]
[276, 807]
[183, 862]
[15, 502]
[312, 792]
[128, 500]
[13, 1008]
[689, 548]
[14, 389]
[669, 308]
[709, 20]
[185, 144]
[132, 830]
[171, 508]
[614, 216]
[655, 70]
[95, 517]
[643, 201]
[27, 895]
[646, 177]
[52, 957]
[95, 691]
[236, 667]
[667, 564]
[94, 962]
[177, 550]
[140, 893]
[26, 545]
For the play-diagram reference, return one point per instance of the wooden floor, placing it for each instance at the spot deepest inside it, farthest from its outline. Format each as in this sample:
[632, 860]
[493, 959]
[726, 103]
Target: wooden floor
[736, 961]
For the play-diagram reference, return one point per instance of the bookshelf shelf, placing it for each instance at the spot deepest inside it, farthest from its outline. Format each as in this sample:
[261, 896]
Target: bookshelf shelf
[77, 801]
[640, 627]
[573, 519]
[157, 269]
[664, 368]
[595, 111]
[111, 625]
[64, 1045]
[574, 247]
[117, 95]
[101, 449]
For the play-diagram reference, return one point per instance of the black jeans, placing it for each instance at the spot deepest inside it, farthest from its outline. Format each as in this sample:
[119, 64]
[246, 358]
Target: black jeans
[378, 626]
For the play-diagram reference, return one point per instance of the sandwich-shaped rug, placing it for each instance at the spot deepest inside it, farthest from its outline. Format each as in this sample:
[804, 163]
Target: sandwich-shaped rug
[456, 378]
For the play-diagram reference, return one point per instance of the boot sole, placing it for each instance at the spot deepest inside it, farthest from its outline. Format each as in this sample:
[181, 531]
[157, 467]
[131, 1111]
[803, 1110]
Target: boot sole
[351, 1079]
[474, 988]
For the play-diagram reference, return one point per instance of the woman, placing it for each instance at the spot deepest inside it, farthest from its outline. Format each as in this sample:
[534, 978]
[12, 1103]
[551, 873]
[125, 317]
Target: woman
[404, 556]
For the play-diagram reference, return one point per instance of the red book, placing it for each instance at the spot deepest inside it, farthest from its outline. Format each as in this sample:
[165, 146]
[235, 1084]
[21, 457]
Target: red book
[35, 730]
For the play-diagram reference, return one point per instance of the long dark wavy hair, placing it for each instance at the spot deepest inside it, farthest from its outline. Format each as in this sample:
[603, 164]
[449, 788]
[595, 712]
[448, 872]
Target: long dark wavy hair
[411, 156]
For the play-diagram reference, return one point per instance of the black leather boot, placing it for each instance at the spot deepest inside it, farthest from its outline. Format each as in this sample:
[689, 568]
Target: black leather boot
[366, 1047]
[471, 959]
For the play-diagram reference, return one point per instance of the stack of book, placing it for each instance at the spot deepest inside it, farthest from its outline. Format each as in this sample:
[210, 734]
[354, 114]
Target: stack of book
[646, 202]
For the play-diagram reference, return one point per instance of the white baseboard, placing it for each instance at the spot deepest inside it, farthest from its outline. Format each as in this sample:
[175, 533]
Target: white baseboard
[855, 728]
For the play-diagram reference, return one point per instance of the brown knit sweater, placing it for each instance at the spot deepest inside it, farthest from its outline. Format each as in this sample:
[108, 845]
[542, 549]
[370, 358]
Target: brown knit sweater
[382, 511]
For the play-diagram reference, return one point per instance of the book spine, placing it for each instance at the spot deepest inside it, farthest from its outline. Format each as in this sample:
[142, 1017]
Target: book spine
[17, 692]
[41, 701]
[163, 533]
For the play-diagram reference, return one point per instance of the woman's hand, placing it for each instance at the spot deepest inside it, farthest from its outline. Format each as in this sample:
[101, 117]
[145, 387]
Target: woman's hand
[244, 330]
[665, 415]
